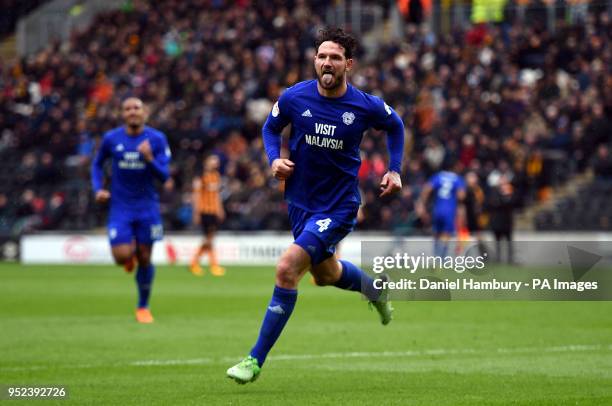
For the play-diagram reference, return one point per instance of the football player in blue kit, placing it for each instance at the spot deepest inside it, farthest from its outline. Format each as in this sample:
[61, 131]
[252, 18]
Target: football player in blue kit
[140, 155]
[448, 189]
[328, 117]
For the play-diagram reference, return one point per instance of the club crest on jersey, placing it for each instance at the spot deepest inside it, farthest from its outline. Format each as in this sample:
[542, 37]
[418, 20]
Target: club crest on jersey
[348, 117]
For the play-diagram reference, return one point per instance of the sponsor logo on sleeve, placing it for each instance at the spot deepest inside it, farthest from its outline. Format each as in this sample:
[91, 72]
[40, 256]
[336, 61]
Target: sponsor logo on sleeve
[387, 109]
[275, 110]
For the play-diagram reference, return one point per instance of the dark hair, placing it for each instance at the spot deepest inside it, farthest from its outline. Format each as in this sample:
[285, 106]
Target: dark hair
[452, 164]
[337, 35]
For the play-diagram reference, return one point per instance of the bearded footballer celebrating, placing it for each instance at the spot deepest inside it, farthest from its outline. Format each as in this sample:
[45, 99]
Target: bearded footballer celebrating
[328, 117]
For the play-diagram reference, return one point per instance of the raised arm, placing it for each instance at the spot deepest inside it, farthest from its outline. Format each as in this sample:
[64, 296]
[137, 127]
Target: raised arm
[157, 157]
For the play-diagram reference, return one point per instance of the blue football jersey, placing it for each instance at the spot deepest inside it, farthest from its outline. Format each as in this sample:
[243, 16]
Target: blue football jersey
[132, 178]
[446, 186]
[324, 143]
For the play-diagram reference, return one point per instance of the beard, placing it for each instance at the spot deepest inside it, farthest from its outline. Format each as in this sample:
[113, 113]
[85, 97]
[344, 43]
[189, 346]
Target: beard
[330, 81]
[134, 123]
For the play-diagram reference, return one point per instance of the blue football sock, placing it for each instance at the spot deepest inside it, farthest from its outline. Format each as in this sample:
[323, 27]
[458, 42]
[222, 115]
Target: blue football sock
[443, 248]
[353, 278]
[437, 248]
[144, 280]
[278, 313]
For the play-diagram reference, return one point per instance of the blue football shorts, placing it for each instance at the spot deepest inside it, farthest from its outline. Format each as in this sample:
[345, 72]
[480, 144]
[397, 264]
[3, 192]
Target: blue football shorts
[319, 233]
[443, 223]
[141, 225]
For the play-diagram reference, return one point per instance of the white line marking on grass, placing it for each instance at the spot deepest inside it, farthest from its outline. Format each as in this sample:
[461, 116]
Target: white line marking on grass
[440, 351]
[332, 355]
[158, 362]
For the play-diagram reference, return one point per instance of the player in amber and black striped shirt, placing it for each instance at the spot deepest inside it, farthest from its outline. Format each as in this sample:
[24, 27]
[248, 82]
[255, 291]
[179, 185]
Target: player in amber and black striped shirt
[208, 213]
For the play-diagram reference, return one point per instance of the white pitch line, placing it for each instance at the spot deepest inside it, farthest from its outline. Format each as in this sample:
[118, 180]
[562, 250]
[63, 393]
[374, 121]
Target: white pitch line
[157, 362]
[440, 351]
[332, 355]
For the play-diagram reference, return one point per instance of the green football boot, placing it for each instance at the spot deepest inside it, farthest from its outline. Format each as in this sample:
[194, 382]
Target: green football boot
[245, 371]
[383, 305]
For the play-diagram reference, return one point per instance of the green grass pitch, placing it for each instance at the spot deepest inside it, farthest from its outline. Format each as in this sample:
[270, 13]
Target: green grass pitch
[74, 326]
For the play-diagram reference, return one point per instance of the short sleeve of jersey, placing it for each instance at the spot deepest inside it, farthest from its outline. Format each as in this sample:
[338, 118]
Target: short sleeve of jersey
[383, 116]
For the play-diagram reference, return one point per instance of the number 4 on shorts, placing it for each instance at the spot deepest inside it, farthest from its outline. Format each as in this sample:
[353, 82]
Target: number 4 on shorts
[323, 224]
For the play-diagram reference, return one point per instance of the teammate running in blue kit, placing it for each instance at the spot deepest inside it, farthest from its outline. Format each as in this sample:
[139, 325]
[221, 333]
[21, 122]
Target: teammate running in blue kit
[139, 154]
[328, 117]
[448, 189]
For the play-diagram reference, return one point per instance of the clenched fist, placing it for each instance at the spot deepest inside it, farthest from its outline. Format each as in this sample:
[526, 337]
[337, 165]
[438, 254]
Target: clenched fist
[282, 168]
